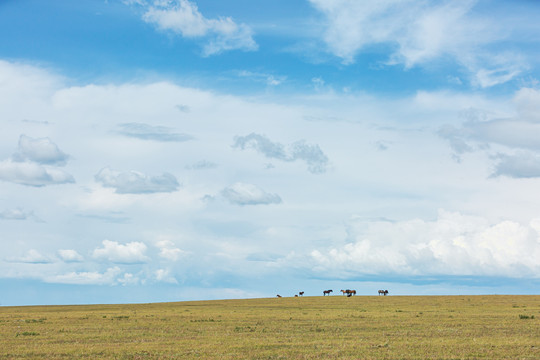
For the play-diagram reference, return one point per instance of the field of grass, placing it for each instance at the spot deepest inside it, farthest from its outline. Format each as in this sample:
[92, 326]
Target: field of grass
[361, 327]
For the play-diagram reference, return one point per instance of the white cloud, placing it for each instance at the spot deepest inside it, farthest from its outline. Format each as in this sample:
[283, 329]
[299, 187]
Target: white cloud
[453, 244]
[167, 250]
[249, 194]
[163, 275]
[130, 253]
[419, 32]
[183, 17]
[134, 182]
[68, 255]
[32, 174]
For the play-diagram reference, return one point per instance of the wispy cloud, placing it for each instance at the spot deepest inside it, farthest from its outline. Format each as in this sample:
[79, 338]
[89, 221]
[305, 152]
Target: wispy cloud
[202, 165]
[418, 32]
[134, 182]
[183, 17]
[249, 194]
[32, 257]
[312, 155]
[17, 214]
[149, 132]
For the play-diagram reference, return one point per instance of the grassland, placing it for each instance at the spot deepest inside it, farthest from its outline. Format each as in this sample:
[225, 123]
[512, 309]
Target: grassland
[361, 327]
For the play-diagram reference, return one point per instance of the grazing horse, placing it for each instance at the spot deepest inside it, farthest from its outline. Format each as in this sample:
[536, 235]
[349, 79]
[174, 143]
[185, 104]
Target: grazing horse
[325, 292]
[301, 293]
[383, 292]
[278, 295]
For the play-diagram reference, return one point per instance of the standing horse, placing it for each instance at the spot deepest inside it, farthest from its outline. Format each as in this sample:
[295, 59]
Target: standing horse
[383, 292]
[301, 293]
[325, 292]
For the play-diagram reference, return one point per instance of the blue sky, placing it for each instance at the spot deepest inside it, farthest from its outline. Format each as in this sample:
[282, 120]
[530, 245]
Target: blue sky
[156, 150]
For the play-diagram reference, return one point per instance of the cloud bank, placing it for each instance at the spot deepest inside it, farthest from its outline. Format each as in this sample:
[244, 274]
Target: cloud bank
[453, 244]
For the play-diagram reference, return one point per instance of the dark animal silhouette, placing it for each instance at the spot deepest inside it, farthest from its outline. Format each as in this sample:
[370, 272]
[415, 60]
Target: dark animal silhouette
[383, 292]
[278, 295]
[326, 292]
[301, 293]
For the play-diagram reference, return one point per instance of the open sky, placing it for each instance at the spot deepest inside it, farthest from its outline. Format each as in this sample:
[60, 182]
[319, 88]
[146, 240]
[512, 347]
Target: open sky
[165, 150]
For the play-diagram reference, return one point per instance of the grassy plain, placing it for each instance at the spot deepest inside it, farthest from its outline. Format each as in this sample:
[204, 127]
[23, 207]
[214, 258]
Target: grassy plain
[361, 327]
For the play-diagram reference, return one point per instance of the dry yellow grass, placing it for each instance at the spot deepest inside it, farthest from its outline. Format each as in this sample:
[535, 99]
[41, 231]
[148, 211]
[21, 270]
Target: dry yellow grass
[361, 327]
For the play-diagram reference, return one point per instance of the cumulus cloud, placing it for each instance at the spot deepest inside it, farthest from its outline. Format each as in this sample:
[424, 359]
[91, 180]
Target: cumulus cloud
[163, 275]
[130, 253]
[167, 250]
[149, 132]
[34, 164]
[42, 151]
[249, 194]
[134, 182]
[182, 17]
[418, 32]
[67, 255]
[312, 155]
[453, 244]
[32, 174]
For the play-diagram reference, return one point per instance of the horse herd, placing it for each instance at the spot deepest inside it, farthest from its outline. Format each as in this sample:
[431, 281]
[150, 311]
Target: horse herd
[347, 292]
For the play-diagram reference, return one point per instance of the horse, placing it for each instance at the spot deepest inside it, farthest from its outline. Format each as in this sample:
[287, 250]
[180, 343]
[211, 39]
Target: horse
[325, 292]
[301, 293]
[383, 292]
[348, 292]
[278, 295]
